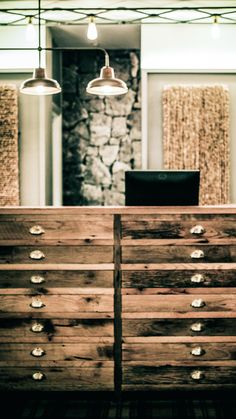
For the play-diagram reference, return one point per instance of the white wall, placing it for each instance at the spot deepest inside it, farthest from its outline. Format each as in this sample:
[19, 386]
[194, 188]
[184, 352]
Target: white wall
[174, 54]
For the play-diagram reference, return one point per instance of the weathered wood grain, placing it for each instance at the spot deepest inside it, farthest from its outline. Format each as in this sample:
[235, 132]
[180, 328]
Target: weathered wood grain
[55, 352]
[178, 254]
[179, 352]
[57, 254]
[178, 278]
[151, 227]
[158, 375]
[178, 327]
[63, 379]
[57, 303]
[56, 279]
[20, 330]
[178, 303]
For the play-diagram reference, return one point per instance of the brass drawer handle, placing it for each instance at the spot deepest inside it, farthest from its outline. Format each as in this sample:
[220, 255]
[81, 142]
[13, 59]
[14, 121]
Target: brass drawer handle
[198, 230]
[37, 303]
[197, 327]
[197, 351]
[198, 303]
[197, 278]
[38, 352]
[197, 375]
[197, 254]
[36, 230]
[37, 328]
[37, 279]
[38, 376]
[37, 255]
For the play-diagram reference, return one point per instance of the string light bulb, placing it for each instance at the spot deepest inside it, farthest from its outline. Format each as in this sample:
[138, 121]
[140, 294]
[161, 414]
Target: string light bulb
[30, 30]
[215, 28]
[92, 32]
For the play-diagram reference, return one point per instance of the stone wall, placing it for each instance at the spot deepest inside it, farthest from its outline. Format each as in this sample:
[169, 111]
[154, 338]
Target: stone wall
[101, 135]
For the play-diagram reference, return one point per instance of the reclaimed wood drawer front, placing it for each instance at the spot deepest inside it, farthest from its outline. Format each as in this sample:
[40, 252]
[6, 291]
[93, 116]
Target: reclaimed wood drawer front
[177, 227]
[179, 303]
[178, 254]
[55, 279]
[56, 254]
[179, 278]
[179, 352]
[56, 353]
[56, 304]
[42, 228]
[64, 379]
[179, 327]
[55, 330]
[137, 377]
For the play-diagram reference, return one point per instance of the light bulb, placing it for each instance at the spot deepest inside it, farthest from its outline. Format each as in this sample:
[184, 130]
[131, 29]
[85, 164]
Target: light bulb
[92, 33]
[215, 28]
[30, 31]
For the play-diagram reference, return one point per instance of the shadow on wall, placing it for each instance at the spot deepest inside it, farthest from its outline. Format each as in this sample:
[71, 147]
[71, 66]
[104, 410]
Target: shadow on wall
[101, 135]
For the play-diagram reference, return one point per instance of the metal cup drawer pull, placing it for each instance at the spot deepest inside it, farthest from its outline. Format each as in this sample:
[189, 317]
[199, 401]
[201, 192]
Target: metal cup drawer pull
[37, 303]
[198, 230]
[37, 255]
[197, 351]
[197, 375]
[197, 278]
[38, 352]
[36, 230]
[37, 328]
[197, 327]
[38, 376]
[198, 303]
[37, 279]
[197, 254]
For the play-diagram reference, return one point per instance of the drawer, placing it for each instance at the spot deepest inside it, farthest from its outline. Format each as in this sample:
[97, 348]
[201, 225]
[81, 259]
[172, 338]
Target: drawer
[63, 379]
[180, 277]
[55, 330]
[156, 377]
[179, 327]
[57, 354]
[50, 304]
[38, 228]
[179, 352]
[56, 254]
[178, 254]
[55, 279]
[186, 227]
[185, 303]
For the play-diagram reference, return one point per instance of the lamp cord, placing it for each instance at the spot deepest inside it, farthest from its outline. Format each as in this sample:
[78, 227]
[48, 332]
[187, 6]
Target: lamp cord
[39, 44]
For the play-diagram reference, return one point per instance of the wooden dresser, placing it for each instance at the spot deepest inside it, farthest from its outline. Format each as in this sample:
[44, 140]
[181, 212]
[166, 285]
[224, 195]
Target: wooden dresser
[117, 298]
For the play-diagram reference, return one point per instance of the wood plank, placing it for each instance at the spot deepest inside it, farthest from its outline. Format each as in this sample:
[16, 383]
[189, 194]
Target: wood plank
[178, 327]
[177, 266]
[176, 254]
[177, 291]
[40, 290]
[178, 339]
[182, 387]
[56, 267]
[55, 352]
[57, 315]
[57, 254]
[178, 278]
[154, 375]
[178, 303]
[56, 279]
[56, 227]
[54, 303]
[151, 227]
[178, 315]
[63, 379]
[179, 352]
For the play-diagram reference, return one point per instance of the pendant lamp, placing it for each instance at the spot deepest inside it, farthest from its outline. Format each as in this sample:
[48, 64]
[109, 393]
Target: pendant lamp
[40, 84]
[107, 84]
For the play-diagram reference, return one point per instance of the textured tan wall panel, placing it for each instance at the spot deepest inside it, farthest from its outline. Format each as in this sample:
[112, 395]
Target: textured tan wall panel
[9, 171]
[196, 136]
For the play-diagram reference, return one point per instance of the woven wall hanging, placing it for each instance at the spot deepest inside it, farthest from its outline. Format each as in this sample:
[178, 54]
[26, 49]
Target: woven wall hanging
[196, 136]
[9, 172]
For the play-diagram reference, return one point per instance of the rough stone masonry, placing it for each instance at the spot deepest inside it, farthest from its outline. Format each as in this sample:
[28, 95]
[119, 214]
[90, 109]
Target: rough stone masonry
[101, 135]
